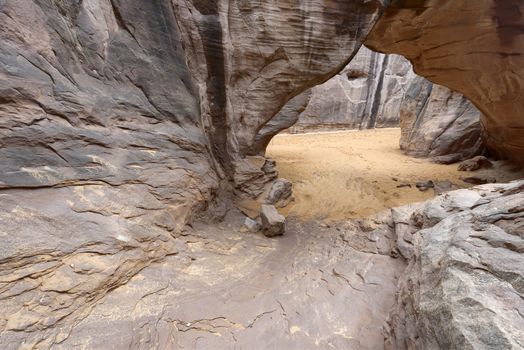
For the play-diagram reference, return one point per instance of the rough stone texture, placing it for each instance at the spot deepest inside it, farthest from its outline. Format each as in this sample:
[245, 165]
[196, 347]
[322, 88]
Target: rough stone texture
[474, 47]
[273, 224]
[438, 123]
[475, 163]
[463, 286]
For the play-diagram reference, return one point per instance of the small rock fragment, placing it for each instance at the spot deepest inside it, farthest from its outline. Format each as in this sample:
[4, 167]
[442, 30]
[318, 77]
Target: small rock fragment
[403, 185]
[476, 163]
[442, 186]
[425, 185]
[479, 180]
[273, 224]
[251, 225]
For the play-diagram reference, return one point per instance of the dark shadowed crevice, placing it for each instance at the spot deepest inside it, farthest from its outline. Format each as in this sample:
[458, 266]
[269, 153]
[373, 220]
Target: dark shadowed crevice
[211, 34]
[378, 95]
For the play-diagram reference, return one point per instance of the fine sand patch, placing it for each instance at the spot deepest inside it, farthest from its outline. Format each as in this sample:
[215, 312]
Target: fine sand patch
[352, 174]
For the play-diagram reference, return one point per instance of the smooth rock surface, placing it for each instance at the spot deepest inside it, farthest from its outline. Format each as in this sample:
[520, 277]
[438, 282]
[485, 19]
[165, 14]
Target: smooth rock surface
[366, 94]
[473, 47]
[439, 124]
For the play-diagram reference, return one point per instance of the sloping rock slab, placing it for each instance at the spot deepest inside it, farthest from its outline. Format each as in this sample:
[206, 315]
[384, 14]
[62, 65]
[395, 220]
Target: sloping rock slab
[464, 284]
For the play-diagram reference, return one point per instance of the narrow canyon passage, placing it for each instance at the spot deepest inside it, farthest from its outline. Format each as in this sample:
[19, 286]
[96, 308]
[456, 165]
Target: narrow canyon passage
[141, 209]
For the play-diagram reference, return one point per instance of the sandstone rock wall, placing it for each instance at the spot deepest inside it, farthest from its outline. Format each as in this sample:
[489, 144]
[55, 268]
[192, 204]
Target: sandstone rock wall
[366, 94]
[463, 286]
[474, 47]
[377, 90]
[439, 124]
[120, 120]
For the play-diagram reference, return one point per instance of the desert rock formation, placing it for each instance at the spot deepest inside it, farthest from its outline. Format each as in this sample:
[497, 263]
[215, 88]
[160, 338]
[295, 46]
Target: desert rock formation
[117, 129]
[463, 285]
[376, 90]
[123, 120]
[366, 94]
[475, 48]
[439, 124]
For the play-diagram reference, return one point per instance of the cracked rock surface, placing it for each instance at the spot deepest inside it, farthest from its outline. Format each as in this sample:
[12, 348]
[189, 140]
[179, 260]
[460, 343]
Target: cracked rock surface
[210, 288]
[463, 287]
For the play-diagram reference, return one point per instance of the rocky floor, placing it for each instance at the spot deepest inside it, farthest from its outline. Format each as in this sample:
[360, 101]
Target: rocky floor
[443, 274]
[230, 290]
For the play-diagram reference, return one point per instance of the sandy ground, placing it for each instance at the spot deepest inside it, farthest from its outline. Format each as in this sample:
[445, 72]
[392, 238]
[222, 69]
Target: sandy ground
[351, 174]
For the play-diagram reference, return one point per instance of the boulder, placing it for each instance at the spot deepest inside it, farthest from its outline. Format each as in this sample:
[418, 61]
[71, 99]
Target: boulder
[273, 224]
[476, 163]
[438, 123]
[463, 285]
[280, 193]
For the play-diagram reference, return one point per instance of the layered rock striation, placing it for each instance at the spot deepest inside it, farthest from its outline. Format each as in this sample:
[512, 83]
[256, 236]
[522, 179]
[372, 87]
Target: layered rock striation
[439, 124]
[473, 48]
[366, 94]
[121, 120]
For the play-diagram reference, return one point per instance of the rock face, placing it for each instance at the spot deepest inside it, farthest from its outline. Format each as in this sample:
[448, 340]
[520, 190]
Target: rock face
[366, 94]
[287, 117]
[475, 48]
[121, 120]
[439, 124]
[464, 282]
[377, 90]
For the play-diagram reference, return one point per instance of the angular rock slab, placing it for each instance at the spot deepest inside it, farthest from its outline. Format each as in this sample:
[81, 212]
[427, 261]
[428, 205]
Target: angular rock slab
[273, 223]
[465, 279]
